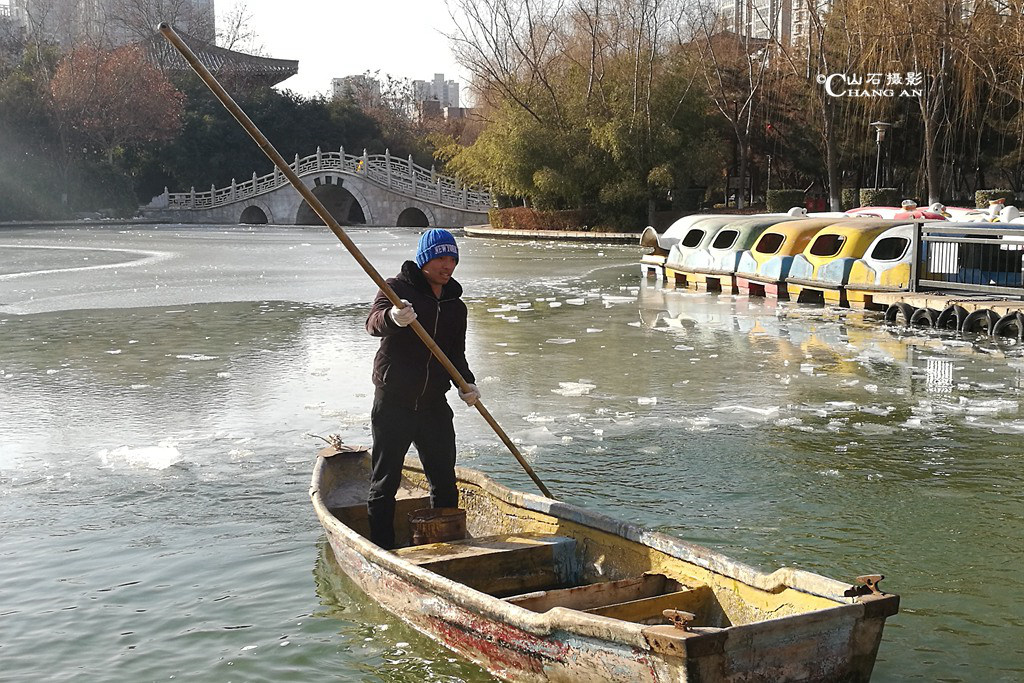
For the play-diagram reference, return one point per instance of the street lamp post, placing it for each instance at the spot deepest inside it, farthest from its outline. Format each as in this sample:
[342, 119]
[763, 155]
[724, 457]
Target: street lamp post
[880, 128]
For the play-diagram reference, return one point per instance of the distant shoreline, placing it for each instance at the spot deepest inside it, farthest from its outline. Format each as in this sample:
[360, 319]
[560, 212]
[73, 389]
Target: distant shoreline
[577, 235]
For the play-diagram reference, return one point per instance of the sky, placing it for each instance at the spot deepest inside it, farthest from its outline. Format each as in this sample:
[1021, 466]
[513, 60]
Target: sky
[336, 38]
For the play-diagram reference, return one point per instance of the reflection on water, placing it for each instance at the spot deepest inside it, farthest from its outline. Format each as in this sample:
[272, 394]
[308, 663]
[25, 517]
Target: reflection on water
[154, 455]
[386, 649]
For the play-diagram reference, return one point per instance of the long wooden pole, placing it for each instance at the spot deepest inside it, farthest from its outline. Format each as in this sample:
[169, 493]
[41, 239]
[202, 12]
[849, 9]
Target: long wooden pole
[335, 227]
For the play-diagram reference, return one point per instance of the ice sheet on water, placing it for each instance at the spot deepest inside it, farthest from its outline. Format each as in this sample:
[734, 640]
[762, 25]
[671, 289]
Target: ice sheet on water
[841, 405]
[158, 457]
[535, 418]
[973, 406]
[738, 409]
[881, 411]
[872, 428]
[574, 388]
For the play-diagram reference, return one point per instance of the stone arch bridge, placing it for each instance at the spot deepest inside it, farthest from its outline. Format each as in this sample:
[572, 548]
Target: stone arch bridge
[358, 190]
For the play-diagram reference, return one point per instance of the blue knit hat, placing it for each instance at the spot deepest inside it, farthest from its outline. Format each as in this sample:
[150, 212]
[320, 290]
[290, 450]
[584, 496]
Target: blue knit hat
[436, 242]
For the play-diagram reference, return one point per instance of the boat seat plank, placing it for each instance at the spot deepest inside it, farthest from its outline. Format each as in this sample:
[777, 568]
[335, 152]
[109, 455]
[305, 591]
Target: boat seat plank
[700, 601]
[502, 564]
[597, 594]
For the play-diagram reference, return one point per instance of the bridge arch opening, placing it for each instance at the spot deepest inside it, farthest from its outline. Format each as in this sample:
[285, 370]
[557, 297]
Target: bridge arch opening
[412, 218]
[338, 201]
[253, 215]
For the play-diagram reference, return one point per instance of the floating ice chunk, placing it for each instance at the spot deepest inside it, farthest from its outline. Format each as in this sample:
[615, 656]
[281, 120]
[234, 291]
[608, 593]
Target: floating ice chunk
[511, 353]
[52, 371]
[849, 382]
[144, 457]
[871, 388]
[682, 347]
[829, 473]
[594, 330]
[249, 647]
[876, 410]
[739, 409]
[575, 302]
[511, 318]
[872, 428]
[114, 352]
[555, 304]
[560, 340]
[574, 388]
[807, 368]
[988, 387]
[841, 405]
[224, 375]
[598, 432]
[701, 424]
[195, 356]
[636, 324]
[989, 407]
[534, 417]
[647, 400]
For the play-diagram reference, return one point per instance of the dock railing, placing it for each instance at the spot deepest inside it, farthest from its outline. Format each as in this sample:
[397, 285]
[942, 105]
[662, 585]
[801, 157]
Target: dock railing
[969, 257]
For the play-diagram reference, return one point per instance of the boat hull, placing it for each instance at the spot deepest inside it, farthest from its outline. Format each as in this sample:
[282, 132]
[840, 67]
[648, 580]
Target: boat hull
[562, 644]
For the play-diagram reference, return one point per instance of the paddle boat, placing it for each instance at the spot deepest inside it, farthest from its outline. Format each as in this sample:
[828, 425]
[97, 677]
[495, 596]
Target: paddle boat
[885, 267]
[698, 236]
[713, 268]
[653, 263]
[823, 268]
[874, 212]
[763, 269]
[533, 589]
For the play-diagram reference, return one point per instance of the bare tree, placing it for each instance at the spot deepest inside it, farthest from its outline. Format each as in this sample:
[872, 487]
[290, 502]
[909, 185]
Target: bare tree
[734, 67]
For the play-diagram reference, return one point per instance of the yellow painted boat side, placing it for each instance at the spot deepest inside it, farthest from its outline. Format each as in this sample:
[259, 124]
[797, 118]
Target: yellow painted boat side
[796, 235]
[859, 234]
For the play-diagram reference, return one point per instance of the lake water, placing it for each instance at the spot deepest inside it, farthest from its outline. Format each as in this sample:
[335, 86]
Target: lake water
[159, 385]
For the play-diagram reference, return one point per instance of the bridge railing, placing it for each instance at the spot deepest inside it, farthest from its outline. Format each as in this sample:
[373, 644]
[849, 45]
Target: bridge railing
[400, 175]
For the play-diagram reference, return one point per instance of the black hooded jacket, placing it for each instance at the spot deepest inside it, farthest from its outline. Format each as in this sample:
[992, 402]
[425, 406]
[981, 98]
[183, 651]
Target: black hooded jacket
[404, 369]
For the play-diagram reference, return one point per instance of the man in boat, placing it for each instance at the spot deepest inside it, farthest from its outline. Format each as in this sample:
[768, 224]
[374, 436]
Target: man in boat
[409, 404]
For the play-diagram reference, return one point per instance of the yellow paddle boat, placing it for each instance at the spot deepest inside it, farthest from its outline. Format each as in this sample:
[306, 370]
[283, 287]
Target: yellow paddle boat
[823, 268]
[763, 269]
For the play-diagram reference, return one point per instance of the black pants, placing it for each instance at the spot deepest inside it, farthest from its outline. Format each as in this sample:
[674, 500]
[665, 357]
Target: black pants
[395, 427]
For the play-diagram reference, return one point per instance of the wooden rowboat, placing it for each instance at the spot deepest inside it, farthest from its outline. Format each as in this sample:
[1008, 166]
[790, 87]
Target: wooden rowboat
[546, 591]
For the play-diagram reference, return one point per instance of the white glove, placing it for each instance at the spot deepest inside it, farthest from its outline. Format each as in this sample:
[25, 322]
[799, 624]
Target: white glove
[402, 316]
[471, 396]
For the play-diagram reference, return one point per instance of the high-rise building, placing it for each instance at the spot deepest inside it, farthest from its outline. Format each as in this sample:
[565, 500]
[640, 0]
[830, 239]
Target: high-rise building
[362, 89]
[786, 22]
[445, 92]
[112, 22]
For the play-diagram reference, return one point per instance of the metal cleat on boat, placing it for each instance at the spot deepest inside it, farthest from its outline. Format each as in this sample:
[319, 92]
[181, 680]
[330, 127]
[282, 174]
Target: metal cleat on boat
[868, 586]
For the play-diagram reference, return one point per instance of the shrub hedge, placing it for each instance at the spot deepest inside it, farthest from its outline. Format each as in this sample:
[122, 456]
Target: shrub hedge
[525, 218]
[883, 196]
[983, 197]
[780, 201]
